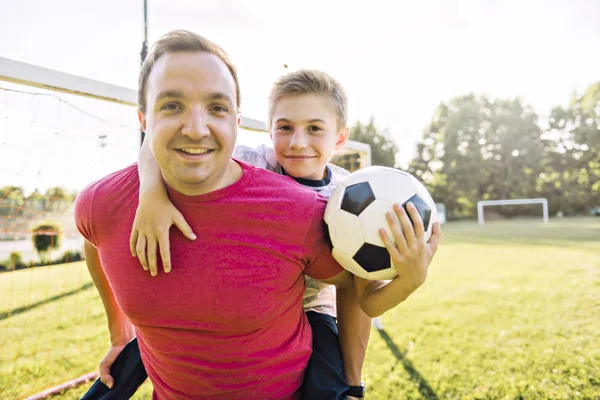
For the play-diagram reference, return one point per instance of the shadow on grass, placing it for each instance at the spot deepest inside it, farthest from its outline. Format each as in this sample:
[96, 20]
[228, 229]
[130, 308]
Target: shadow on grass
[426, 391]
[23, 309]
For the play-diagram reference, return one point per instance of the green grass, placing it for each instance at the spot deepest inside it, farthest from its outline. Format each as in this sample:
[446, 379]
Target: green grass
[511, 310]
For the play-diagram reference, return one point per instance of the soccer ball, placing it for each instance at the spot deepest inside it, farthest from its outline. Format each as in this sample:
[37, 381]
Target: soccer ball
[356, 211]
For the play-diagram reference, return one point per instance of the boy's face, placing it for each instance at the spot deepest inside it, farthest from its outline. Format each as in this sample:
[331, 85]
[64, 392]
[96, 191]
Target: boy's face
[191, 119]
[305, 134]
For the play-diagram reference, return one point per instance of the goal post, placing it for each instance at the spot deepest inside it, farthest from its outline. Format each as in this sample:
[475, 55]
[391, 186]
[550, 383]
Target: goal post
[481, 204]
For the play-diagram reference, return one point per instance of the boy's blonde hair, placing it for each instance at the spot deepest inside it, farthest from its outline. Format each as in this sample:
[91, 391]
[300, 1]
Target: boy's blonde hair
[311, 81]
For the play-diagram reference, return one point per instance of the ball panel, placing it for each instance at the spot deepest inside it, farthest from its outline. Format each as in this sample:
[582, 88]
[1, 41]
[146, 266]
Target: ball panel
[393, 185]
[423, 209]
[334, 203]
[373, 258]
[348, 263]
[357, 197]
[362, 175]
[345, 233]
[373, 218]
[383, 275]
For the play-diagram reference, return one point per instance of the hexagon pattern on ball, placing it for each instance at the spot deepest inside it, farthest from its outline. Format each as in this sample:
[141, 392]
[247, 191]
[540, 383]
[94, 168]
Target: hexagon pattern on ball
[374, 216]
[357, 197]
[345, 232]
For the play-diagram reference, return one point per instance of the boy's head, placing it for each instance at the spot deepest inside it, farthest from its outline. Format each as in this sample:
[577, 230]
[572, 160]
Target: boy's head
[188, 105]
[308, 111]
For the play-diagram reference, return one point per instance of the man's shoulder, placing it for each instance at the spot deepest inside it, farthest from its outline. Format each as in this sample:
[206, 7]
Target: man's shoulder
[106, 189]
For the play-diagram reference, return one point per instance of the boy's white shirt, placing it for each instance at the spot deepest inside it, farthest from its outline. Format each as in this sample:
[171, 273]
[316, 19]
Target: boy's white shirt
[318, 297]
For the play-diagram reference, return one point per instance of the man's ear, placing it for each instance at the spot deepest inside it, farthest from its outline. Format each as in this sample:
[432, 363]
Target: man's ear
[342, 138]
[142, 120]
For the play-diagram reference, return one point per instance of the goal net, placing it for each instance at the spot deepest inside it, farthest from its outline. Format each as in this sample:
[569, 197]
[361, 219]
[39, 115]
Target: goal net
[529, 203]
[58, 133]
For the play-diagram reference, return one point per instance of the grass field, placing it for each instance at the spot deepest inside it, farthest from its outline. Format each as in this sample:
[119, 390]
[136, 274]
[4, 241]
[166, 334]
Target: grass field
[511, 310]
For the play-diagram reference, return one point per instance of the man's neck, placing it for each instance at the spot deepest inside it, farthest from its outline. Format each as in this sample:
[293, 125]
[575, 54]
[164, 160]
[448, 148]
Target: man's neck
[233, 172]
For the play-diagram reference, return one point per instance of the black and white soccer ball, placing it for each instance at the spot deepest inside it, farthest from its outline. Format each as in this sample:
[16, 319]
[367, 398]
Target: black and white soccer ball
[356, 211]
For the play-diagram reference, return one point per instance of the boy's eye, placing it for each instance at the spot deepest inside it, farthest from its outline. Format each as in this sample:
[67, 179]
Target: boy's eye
[284, 128]
[314, 128]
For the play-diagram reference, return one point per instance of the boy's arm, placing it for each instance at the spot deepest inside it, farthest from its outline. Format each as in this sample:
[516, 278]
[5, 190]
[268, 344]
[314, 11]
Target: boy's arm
[154, 216]
[411, 257]
[354, 331]
[120, 328]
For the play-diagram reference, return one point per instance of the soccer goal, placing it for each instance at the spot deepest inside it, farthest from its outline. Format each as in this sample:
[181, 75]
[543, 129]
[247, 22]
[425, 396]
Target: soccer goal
[483, 203]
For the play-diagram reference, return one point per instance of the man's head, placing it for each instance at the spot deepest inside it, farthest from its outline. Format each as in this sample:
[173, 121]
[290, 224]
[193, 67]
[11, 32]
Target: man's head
[308, 112]
[188, 99]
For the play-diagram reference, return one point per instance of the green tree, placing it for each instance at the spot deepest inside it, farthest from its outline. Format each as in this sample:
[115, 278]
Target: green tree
[11, 200]
[477, 149]
[572, 173]
[46, 237]
[383, 149]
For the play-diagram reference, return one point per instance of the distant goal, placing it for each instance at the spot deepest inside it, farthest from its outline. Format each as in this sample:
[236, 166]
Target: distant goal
[483, 203]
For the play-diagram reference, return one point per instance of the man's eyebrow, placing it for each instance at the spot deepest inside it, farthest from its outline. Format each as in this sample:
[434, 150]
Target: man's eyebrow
[170, 94]
[220, 96]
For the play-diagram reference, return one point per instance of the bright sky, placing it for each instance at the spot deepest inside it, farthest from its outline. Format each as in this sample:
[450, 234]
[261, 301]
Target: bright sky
[397, 60]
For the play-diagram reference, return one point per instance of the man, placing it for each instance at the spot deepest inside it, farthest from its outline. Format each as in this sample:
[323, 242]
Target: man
[229, 323]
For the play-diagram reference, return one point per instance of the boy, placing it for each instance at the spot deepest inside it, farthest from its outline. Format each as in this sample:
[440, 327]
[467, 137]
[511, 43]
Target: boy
[307, 122]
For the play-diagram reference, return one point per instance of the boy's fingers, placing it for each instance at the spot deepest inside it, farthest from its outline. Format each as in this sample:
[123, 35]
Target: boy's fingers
[407, 228]
[417, 222]
[436, 235]
[165, 251]
[397, 232]
[387, 242]
[133, 241]
[141, 251]
[183, 226]
[105, 376]
[152, 256]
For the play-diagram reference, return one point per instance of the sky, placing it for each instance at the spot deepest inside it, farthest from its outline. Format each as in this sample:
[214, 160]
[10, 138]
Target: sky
[397, 59]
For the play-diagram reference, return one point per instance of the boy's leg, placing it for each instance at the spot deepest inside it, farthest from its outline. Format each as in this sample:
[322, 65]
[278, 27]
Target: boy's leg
[324, 377]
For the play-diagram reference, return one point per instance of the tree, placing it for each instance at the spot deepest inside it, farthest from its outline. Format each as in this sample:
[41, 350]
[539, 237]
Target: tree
[383, 149]
[572, 172]
[46, 237]
[11, 200]
[476, 149]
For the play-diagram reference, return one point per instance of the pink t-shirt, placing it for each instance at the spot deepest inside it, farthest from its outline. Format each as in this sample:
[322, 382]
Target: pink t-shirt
[227, 322]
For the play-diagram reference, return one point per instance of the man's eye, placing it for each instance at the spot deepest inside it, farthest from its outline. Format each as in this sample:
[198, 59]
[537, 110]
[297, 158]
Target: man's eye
[171, 107]
[219, 109]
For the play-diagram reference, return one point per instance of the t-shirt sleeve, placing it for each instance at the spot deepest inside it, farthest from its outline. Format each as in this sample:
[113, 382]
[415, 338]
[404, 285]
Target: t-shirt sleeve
[83, 213]
[319, 263]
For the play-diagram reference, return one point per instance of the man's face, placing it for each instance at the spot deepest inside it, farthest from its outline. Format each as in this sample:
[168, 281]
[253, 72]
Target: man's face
[191, 119]
[304, 131]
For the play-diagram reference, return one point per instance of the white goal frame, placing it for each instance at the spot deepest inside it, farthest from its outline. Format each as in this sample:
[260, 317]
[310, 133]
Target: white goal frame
[483, 203]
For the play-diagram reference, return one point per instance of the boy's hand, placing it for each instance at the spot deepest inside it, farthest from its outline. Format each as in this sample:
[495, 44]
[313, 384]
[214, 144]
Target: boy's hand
[411, 255]
[153, 220]
[107, 362]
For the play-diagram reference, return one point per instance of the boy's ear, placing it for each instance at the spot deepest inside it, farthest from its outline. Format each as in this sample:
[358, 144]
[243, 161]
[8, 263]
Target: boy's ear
[342, 138]
[142, 120]
[239, 120]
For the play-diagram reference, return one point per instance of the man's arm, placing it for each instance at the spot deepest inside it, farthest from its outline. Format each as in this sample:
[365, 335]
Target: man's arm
[354, 331]
[120, 328]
